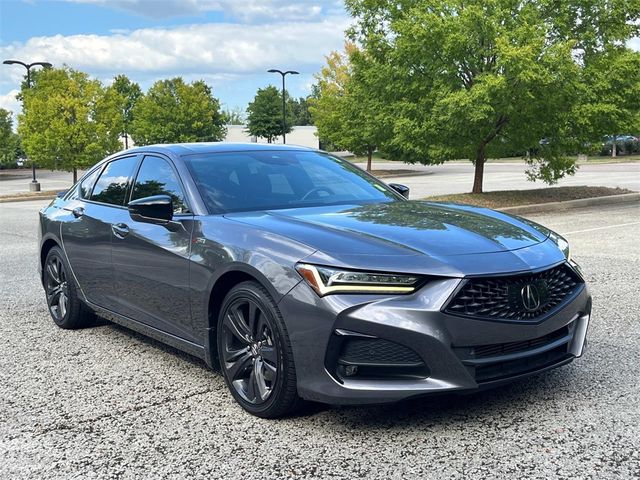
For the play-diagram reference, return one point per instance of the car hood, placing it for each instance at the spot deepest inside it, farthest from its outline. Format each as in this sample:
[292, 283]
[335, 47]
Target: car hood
[402, 228]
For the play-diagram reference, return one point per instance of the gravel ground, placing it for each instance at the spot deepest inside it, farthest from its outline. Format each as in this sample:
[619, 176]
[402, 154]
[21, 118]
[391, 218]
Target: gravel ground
[105, 402]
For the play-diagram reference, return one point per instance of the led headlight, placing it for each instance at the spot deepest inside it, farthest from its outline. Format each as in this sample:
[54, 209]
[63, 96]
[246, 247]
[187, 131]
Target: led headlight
[326, 280]
[562, 244]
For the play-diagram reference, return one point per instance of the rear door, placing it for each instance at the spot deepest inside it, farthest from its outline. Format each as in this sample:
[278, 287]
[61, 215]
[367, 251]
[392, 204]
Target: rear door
[151, 262]
[86, 234]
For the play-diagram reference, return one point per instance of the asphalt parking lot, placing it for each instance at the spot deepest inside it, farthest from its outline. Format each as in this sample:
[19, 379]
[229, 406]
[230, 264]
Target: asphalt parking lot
[105, 402]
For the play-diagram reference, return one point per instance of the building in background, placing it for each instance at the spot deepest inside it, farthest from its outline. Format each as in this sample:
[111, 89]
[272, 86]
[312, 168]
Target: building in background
[305, 136]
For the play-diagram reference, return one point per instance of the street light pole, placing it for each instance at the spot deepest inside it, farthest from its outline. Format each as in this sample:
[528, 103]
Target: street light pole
[284, 104]
[35, 186]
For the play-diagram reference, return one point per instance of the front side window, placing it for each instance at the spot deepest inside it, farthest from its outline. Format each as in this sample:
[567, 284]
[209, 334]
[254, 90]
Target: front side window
[112, 185]
[263, 180]
[157, 177]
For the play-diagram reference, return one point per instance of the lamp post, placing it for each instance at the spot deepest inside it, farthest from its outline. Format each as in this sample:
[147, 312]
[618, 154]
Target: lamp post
[35, 185]
[284, 106]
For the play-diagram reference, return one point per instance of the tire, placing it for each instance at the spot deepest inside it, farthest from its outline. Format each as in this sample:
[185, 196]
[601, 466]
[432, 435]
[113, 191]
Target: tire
[65, 307]
[255, 352]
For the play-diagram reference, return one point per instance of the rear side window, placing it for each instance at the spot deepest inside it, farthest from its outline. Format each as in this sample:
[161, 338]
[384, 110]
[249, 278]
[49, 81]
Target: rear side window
[112, 185]
[87, 184]
[156, 177]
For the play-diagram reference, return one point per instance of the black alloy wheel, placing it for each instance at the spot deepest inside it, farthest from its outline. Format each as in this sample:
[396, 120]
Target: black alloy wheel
[65, 307]
[255, 354]
[57, 288]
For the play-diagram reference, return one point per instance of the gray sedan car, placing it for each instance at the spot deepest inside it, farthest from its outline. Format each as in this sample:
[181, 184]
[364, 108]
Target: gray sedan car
[304, 277]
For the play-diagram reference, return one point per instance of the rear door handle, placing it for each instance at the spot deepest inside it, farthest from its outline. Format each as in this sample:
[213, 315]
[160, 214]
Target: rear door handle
[77, 212]
[120, 230]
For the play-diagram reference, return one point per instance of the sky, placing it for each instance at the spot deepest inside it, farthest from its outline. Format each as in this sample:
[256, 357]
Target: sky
[229, 43]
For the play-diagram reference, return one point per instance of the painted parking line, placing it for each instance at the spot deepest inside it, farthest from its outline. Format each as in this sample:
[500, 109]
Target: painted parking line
[602, 228]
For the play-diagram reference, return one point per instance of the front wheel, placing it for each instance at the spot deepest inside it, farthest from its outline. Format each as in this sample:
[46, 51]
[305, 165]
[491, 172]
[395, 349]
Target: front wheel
[255, 353]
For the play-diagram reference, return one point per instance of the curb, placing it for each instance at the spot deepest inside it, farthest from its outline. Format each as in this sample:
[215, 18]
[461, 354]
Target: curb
[569, 204]
[399, 175]
[26, 198]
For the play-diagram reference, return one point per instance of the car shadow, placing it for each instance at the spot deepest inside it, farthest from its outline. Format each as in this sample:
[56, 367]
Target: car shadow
[193, 360]
[510, 399]
[430, 409]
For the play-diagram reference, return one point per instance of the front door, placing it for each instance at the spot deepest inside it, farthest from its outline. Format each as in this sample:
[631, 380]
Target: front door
[151, 262]
[86, 232]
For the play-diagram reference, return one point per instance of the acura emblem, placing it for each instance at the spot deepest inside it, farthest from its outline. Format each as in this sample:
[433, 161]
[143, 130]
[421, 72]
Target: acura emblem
[530, 297]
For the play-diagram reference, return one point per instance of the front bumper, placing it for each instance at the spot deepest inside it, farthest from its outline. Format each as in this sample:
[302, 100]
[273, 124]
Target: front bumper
[448, 345]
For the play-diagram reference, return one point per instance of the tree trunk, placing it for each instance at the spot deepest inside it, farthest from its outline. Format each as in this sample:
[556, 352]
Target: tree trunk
[369, 155]
[479, 170]
[75, 175]
[614, 149]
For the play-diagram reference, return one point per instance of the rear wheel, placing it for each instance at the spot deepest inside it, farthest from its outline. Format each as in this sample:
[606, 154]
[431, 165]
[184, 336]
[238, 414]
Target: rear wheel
[255, 353]
[65, 307]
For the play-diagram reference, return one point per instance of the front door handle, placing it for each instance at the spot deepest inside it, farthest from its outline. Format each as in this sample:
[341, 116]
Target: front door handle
[77, 212]
[120, 230]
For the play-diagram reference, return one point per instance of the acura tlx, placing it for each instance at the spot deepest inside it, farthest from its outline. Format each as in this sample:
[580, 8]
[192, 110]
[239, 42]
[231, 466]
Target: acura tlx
[305, 278]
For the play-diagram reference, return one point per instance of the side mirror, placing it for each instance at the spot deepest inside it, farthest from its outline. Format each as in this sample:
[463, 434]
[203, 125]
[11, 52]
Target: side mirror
[401, 189]
[157, 209]
[61, 194]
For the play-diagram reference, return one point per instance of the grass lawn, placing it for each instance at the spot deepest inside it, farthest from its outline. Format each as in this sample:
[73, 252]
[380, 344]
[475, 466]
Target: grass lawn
[513, 198]
[620, 159]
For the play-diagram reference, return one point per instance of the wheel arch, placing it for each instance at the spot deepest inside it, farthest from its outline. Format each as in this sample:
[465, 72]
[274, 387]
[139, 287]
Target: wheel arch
[232, 275]
[46, 247]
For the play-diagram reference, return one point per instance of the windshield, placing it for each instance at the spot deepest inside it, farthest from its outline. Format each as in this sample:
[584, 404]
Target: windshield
[274, 179]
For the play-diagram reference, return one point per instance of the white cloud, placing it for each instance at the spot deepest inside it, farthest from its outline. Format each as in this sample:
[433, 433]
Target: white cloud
[245, 10]
[214, 48]
[219, 53]
[634, 43]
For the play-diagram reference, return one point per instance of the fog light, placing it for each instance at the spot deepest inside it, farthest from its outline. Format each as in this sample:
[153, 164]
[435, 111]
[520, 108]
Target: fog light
[350, 370]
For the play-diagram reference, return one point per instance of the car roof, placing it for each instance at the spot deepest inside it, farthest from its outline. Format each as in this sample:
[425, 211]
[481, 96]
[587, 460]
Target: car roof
[180, 149]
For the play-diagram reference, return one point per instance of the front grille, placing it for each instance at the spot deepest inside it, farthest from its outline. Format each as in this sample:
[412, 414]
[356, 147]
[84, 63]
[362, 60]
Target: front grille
[497, 349]
[377, 351]
[511, 368]
[515, 297]
[489, 363]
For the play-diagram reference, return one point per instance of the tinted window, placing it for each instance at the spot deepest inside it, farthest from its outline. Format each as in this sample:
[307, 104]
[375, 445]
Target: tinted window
[112, 185]
[260, 180]
[87, 183]
[156, 177]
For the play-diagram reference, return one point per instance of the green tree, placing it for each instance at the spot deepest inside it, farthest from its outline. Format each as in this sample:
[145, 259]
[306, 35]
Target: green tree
[125, 95]
[485, 78]
[345, 112]
[264, 114]
[7, 148]
[300, 113]
[173, 111]
[610, 104]
[10, 144]
[67, 123]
